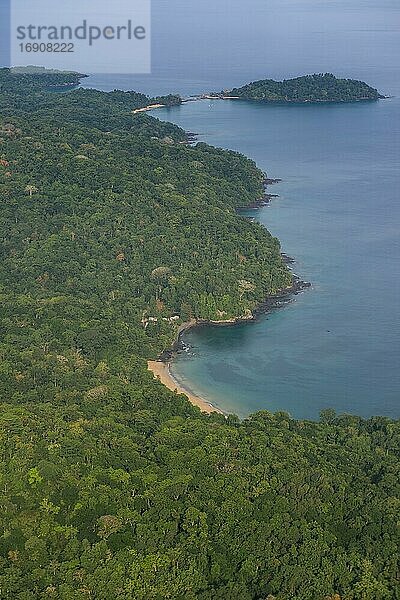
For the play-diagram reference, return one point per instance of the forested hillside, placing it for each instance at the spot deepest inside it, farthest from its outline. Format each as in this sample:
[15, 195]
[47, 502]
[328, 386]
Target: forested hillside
[32, 79]
[112, 486]
[309, 88]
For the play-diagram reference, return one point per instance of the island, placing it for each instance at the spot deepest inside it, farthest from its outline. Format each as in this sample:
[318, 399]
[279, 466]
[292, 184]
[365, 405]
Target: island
[309, 88]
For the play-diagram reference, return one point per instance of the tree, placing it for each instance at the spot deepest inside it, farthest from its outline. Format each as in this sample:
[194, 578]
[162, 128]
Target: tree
[112, 485]
[161, 275]
[327, 415]
[31, 189]
[245, 287]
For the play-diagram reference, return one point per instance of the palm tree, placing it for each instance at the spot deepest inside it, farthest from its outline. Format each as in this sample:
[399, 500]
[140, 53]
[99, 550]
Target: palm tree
[31, 189]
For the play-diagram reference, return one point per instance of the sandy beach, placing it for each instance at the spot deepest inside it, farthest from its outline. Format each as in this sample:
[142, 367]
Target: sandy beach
[147, 108]
[161, 371]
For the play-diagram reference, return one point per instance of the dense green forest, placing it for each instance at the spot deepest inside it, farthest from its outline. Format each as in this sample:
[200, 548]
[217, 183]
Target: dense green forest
[309, 88]
[32, 79]
[111, 485]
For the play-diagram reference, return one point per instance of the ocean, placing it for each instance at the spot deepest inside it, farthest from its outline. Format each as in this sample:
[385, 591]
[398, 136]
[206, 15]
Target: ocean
[336, 345]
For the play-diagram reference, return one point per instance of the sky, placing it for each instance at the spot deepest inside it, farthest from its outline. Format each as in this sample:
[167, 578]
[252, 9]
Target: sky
[279, 38]
[232, 41]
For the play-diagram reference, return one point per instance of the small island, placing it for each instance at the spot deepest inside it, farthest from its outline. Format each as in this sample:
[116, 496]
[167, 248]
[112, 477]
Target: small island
[309, 88]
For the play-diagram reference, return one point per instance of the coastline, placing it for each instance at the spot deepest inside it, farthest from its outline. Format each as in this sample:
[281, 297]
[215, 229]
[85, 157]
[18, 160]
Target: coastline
[161, 371]
[281, 102]
[161, 368]
[147, 108]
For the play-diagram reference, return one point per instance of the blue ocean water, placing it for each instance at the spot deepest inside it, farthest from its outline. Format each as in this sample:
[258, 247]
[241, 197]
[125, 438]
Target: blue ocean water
[338, 214]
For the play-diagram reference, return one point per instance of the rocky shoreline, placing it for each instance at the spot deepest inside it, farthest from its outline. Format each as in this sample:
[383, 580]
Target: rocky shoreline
[273, 302]
[265, 199]
[191, 137]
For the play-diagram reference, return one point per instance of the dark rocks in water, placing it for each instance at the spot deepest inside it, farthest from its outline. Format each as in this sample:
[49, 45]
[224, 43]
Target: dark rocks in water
[282, 297]
[167, 355]
[271, 303]
[191, 136]
[176, 347]
[288, 260]
[266, 198]
[268, 181]
[264, 201]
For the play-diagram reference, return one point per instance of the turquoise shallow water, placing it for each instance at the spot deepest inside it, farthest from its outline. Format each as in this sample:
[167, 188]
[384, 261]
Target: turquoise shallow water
[338, 213]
